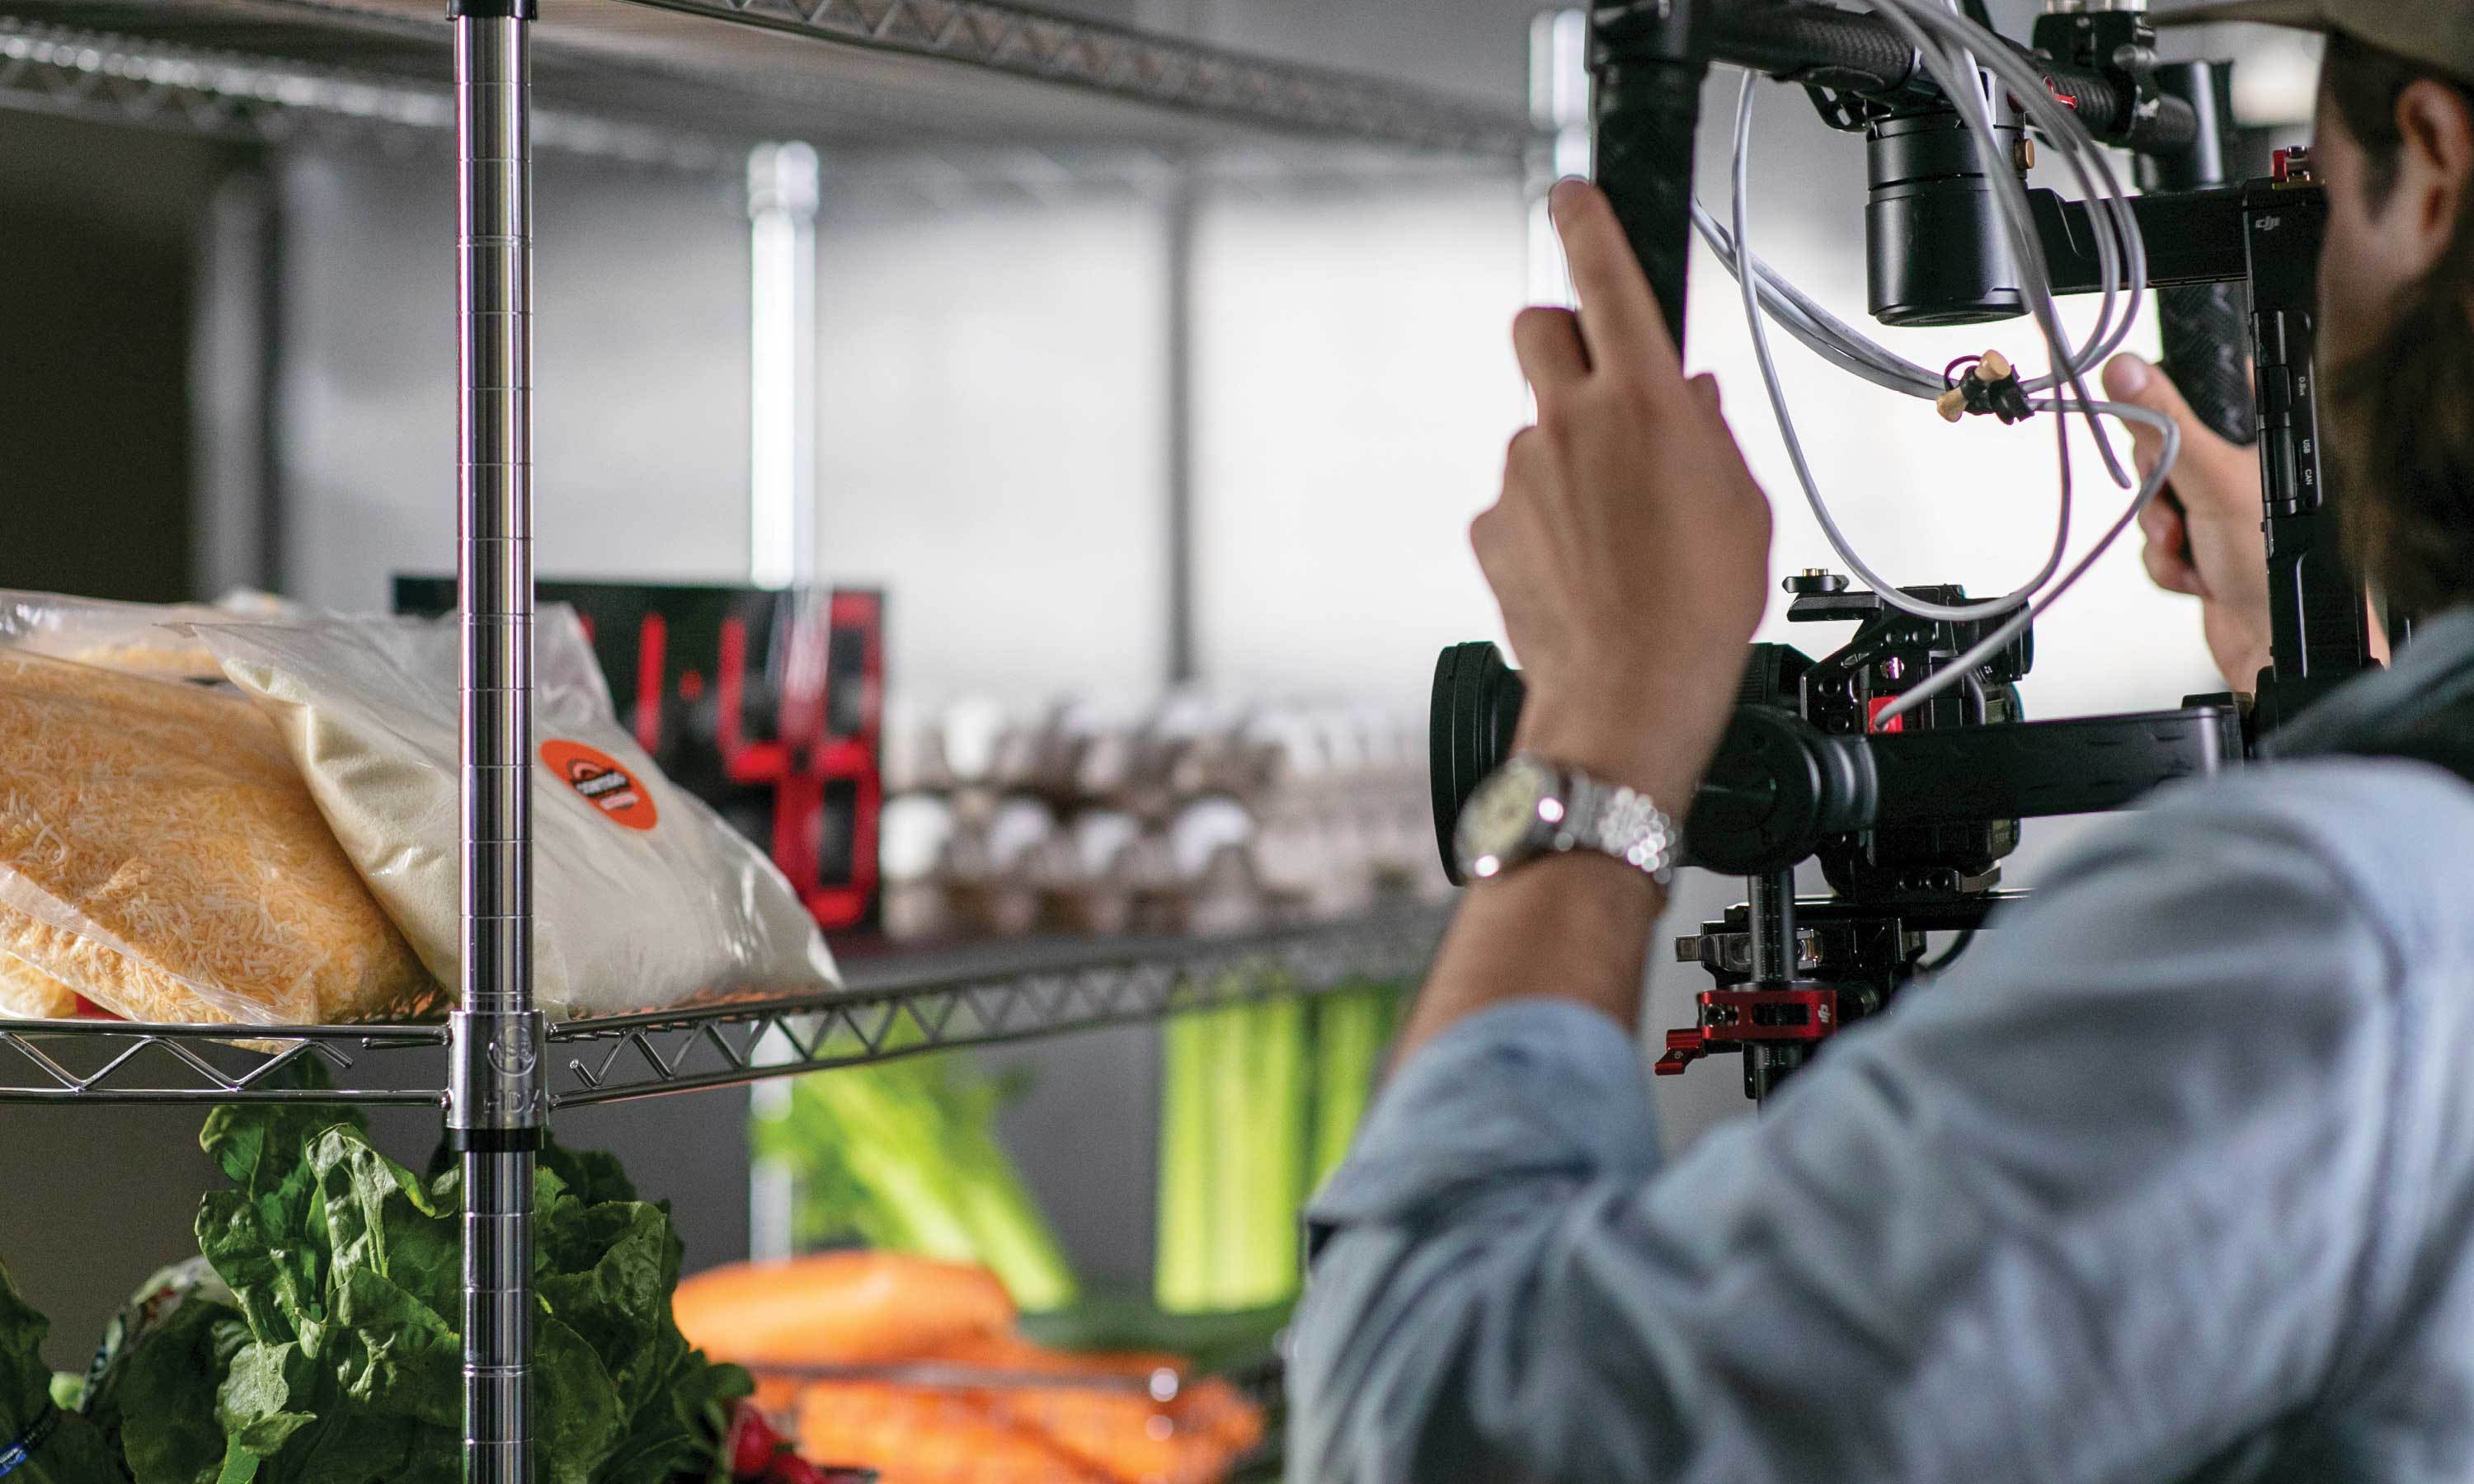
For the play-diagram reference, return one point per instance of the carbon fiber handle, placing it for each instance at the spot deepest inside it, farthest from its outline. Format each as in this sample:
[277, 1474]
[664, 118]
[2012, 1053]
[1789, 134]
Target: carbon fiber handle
[1641, 142]
[2207, 352]
[2039, 770]
[1815, 43]
[1819, 44]
[1649, 74]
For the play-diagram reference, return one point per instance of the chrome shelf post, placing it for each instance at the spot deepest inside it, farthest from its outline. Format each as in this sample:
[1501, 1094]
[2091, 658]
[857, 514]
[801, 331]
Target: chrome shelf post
[497, 1110]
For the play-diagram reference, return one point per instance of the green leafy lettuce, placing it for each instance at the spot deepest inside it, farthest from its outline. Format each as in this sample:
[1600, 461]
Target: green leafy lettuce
[339, 1359]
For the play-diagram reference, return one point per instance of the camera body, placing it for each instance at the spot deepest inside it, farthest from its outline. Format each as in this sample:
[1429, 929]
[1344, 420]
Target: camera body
[1841, 695]
[1793, 780]
[1848, 955]
[1908, 819]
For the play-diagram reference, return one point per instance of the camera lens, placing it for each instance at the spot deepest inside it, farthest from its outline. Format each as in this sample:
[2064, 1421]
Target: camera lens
[1477, 703]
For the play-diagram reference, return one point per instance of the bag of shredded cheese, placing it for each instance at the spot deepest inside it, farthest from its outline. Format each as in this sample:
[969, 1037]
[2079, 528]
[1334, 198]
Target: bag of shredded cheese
[643, 896]
[161, 857]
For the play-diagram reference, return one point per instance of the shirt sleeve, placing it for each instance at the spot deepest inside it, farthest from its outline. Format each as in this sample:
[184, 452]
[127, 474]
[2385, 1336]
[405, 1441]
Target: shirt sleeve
[2102, 1204]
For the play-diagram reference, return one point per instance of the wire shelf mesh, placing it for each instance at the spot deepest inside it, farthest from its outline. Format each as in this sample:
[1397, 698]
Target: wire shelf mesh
[689, 83]
[1163, 71]
[116, 1061]
[897, 1004]
[107, 78]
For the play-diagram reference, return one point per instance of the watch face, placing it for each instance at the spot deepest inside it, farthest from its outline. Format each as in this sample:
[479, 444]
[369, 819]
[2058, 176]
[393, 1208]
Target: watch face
[1502, 816]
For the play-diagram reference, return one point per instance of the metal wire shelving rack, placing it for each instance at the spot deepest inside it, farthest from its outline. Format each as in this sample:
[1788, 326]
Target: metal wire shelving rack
[892, 1004]
[676, 84]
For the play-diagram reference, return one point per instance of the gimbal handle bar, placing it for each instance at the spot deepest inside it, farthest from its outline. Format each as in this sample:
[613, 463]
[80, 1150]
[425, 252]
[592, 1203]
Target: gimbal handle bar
[1780, 787]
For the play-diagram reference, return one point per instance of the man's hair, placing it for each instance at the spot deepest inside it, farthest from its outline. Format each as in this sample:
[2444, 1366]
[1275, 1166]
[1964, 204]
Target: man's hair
[2404, 430]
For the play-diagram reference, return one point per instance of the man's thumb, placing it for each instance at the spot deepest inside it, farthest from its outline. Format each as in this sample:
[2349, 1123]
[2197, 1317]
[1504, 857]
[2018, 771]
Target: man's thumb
[2128, 378]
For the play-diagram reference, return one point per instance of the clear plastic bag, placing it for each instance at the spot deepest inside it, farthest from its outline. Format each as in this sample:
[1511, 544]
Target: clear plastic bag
[141, 639]
[161, 857]
[643, 896]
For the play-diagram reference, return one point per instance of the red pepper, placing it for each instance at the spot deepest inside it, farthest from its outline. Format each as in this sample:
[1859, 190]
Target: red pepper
[753, 1445]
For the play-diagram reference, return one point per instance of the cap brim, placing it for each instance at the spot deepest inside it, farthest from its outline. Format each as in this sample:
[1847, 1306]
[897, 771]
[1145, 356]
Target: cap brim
[2311, 14]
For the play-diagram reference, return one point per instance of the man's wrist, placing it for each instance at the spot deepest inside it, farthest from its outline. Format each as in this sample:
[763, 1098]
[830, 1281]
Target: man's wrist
[1663, 758]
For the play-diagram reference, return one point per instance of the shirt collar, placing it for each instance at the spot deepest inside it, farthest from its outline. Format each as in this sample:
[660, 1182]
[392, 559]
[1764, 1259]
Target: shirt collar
[2433, 671]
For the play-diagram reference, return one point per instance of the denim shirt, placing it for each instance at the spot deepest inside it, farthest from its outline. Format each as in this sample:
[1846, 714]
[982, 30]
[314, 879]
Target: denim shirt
[2170, 1178]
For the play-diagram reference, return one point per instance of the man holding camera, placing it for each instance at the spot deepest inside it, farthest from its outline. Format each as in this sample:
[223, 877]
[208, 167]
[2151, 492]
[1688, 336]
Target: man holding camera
[2172, 1179]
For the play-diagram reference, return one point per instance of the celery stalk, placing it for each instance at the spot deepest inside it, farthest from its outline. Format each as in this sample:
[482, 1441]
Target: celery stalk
[1280, 1135]
[1242, 1100]
[1012, 1236]
[904, 1156]
[1353, 1034]
[1181, 1265]
[1235, 1154]
[1344, 1026]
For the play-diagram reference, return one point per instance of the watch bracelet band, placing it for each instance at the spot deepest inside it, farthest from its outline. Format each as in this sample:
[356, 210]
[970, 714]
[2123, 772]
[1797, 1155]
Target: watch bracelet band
[1615, 819]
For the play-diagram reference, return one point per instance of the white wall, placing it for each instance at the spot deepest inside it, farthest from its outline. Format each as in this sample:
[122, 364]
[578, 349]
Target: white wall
[1355, 389]
[993, 404]
[639, 342]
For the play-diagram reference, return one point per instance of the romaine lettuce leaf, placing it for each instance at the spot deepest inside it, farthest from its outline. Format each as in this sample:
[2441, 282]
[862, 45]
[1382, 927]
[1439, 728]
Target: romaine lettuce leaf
[158, 1399]
[349, 1270]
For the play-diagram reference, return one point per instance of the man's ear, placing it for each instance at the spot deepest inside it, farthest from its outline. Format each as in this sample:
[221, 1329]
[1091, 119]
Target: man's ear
[2434, 175]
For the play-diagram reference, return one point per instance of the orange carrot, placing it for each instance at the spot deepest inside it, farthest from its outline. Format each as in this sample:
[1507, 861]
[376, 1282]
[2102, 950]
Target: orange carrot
[915, 1435]
[1004, 1349]
[880, 1309]
[839, 1308]
[1190, 1439]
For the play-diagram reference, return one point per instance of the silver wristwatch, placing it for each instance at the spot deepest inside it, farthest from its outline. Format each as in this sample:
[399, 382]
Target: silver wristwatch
[1530, 808]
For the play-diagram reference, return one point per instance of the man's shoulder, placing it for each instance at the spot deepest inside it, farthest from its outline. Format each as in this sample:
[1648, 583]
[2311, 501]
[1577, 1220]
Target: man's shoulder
[2395, 834]
[2390, 804]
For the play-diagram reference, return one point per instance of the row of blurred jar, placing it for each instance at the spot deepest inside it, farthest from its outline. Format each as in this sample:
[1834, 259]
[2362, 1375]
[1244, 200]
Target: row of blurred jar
[1198, 817]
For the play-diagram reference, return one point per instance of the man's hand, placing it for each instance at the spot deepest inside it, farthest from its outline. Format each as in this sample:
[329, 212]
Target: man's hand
[2212, 549]
[1631, 554]
[1631, 548]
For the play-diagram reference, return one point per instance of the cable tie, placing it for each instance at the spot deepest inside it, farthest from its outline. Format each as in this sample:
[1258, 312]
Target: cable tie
[18, 1454]
[1990, 387]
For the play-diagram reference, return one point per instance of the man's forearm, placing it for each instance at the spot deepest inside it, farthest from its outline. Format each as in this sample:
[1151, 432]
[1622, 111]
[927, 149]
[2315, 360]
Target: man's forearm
[1571, 928]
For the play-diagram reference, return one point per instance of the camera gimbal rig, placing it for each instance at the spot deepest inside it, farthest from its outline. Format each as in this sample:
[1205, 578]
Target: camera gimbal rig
[1910, 821]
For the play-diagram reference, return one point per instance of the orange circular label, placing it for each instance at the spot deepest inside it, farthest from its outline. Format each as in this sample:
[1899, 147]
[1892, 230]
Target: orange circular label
[601, 780]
